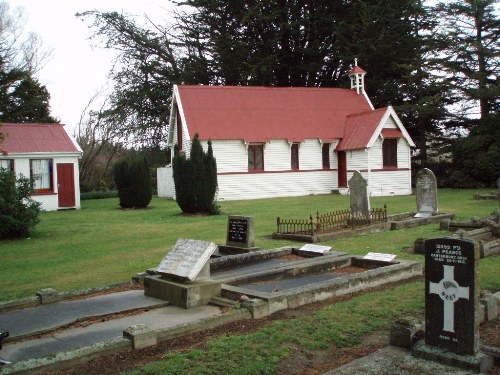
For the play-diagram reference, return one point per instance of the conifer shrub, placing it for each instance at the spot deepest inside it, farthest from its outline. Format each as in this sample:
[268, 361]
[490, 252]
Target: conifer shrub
[19, 213]
[133, 181]
[195, 179]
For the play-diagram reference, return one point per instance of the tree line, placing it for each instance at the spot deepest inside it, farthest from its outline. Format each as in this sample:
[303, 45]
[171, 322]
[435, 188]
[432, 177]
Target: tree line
[437, 63]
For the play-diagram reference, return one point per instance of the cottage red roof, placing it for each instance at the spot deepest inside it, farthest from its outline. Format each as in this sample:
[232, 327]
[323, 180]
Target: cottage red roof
[392, 133]
[357, 69]
[27, 138]
[359, 129]
[259, 114]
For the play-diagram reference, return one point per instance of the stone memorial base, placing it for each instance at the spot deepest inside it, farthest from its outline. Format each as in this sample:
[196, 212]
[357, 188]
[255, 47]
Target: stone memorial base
[479, 363]
[185, 295]
[234, 250]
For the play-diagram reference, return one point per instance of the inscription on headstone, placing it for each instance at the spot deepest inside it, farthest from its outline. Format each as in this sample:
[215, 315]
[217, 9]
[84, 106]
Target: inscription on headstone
[380, 256]
[319, 249]
[358, 191]
[240, 231]
[426, 189]
[187, 259]
[451, 295]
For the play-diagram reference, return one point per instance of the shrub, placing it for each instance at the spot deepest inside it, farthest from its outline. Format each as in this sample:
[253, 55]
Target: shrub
[98, 194]
[133, 181]
[195, 179]
[18, 212]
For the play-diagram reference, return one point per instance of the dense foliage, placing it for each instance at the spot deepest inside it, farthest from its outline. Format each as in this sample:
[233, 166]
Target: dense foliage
[133, 181]
[195, 179]
[434, 62]
[18, 212]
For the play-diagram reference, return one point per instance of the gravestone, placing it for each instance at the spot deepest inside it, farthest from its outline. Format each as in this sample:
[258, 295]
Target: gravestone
[187, 260]
[240, 231]
[183, 276]
[452, 295]
[358, 191]
[426, 187]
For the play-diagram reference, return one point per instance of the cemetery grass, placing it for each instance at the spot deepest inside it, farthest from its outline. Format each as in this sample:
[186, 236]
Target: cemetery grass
[102, 244]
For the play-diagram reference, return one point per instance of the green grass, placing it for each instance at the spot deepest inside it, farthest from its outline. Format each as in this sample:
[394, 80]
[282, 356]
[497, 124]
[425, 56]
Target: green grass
[341, 325]
[102, 244]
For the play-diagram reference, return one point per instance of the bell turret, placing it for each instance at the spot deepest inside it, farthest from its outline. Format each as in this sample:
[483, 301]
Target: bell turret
[357, 76]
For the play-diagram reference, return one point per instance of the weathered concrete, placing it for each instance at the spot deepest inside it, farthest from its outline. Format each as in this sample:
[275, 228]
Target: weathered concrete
[404, 333]
[479, 363]
[185, 295]
[141, 335]
[392, 360]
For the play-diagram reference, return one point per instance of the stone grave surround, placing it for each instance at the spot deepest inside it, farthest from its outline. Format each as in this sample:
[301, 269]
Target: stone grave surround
[358, 192]
[452, 295]
[426, 192]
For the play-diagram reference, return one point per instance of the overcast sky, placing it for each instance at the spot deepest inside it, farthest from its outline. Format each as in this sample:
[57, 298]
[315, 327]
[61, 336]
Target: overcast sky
[78, 68]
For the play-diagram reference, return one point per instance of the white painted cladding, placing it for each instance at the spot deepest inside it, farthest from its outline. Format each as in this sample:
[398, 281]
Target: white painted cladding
[50, 202]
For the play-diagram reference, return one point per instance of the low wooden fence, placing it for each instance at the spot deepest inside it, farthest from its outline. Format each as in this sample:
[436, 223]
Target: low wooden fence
[330, 221]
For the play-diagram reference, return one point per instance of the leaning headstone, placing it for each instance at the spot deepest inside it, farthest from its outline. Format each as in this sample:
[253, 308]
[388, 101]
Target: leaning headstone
[358, 191]
[426, 186]
[188, 260]
[452, 295]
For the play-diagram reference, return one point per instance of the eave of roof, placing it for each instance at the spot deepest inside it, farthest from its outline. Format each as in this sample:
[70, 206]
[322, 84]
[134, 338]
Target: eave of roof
[359, 129]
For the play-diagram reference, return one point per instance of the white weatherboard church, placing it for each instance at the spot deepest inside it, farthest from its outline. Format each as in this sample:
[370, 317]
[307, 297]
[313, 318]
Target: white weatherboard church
[293, 141]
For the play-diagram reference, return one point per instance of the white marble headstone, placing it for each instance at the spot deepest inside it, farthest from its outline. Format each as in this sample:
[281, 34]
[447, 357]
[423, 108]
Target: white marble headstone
[320, 249]
[187, 259]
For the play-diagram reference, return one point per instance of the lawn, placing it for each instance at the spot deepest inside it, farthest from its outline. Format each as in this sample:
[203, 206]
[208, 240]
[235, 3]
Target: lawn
[102, 244]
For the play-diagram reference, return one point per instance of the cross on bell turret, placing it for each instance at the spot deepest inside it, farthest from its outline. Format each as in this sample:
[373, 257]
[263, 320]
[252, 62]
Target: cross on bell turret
[357, 76]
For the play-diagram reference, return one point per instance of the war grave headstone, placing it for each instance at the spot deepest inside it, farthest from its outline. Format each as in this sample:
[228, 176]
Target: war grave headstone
[426, 190]
[452, 304]
[240, 236]
[360, 201]
[184, 275]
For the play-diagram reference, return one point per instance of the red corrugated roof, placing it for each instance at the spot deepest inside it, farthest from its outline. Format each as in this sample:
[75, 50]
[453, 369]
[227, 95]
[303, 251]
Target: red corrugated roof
[359, 129]
[259, 114]
[357, 69]
[25, 138]
[392, 133]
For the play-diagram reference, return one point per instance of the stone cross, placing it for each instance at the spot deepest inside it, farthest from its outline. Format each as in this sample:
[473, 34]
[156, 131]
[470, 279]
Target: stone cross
[450, 292]
[358, 192]
[426, 191]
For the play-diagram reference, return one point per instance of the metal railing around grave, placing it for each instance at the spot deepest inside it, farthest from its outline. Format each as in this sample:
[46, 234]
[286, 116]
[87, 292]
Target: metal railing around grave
[330, 221]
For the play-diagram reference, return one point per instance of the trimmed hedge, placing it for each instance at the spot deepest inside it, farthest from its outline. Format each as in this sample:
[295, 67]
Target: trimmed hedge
[195, 179]
[133, 181]
[98, 195]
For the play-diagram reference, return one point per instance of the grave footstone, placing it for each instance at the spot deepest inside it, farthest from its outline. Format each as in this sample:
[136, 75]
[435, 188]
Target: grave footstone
[426, 189]
[358, 191]
[452, 295]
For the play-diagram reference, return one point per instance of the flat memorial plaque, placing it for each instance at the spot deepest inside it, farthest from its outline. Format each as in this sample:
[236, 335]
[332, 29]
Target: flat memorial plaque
[186, 259]
[316, 248]
[380, 256]
[452, 295]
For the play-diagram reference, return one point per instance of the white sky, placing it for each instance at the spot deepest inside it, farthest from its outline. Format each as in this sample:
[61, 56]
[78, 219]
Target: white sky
[78, 67]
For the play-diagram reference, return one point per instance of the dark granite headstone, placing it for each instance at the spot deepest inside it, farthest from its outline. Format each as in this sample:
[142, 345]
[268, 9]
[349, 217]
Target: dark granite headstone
[426, 186]
[358, 191]
[240, 231]
[452, 295]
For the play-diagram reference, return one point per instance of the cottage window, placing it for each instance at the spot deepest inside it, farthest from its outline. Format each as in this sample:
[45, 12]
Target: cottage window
[7, 164]
[390, 153]
[41, 173]
[325, 150]
[294, 156]
[255, 157]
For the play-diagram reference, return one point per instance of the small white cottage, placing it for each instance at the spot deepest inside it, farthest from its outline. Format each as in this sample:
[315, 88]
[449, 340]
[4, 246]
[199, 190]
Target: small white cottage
[277, 142]
[48, 155]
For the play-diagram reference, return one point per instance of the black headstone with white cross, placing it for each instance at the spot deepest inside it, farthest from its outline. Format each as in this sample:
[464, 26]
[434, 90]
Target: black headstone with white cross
[452, 295]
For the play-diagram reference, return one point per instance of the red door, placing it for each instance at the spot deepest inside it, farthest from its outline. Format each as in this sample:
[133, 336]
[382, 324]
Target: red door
[342, 169]
[66, 185]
